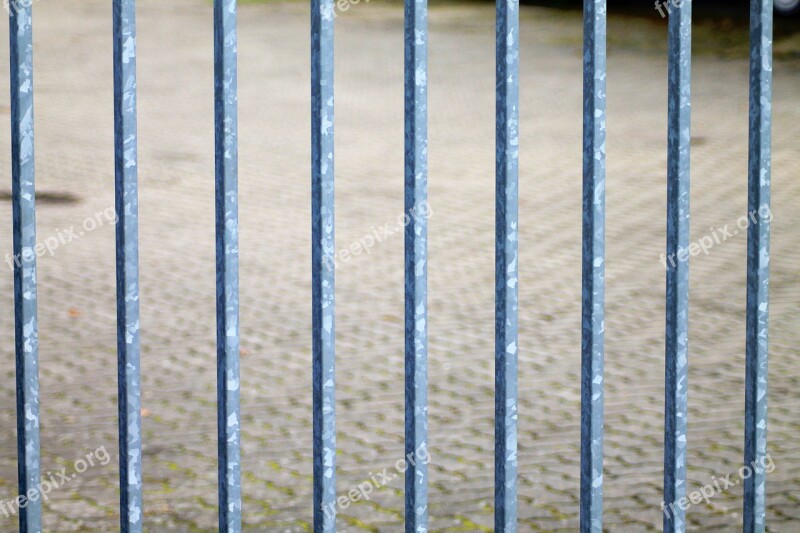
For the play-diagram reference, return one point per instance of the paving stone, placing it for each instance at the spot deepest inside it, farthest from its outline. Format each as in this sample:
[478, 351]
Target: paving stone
[74, 146]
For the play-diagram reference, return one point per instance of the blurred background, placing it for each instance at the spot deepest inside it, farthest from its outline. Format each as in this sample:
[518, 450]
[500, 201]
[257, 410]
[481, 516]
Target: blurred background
[75, 183]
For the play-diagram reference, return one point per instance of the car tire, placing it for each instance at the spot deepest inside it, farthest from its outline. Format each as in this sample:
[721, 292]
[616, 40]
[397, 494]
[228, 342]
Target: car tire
[787, 7]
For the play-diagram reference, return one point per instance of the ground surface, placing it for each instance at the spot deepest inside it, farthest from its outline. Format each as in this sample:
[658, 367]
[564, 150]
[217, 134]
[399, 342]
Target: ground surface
[77, 313]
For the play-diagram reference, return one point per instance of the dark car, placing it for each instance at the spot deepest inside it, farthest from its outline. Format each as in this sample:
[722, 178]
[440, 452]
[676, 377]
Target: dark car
[782, 7]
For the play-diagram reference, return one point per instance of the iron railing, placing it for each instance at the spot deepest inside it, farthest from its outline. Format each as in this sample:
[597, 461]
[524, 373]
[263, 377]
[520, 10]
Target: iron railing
[323, 301]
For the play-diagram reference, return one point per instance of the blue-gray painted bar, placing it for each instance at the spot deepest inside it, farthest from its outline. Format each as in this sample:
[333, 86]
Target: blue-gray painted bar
[227, 239]
[416, 263]
[677, 294]
[506, 263]
[26, 327]
[760, 170]
[322, 266]
[593, 291]
[127, 231]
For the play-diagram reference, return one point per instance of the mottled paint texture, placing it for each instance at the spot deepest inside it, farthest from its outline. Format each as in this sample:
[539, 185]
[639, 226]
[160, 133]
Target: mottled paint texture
[322, 254]
[593, 277]
[677, 294]
[416, 262]
[506, 263]
[227, 249]
[127, 236]
[26, 328]
[759, 176]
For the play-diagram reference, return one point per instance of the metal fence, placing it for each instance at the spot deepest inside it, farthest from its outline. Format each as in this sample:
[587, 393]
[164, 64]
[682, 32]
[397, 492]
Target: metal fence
[323, 300]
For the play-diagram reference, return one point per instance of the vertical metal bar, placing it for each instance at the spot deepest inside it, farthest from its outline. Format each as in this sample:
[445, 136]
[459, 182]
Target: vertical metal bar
[322, 265]
[758, 233]
[677, 293]
[26, 327]
[127, 232]
[506, 263]
[416, 262]
[593, 277]
[227, 248]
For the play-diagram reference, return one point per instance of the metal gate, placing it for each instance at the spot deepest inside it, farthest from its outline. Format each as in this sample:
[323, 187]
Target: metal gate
[323, 300]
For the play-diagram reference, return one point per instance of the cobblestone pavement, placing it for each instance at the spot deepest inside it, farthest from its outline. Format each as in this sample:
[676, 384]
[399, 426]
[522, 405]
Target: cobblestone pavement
[77, 313]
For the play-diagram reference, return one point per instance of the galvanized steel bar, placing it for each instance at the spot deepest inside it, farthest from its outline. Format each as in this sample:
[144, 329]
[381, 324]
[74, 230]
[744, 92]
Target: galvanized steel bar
[758, 234]
[416, 263]
[322, 268]
[26, 326]
[506, 263]
[677, 293]
[127, 236]
[593, 314]
[227, 248]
